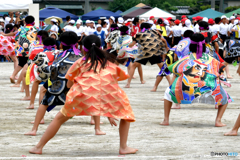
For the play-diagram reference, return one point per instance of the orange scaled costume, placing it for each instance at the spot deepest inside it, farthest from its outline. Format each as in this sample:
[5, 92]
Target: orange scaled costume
[97, 94]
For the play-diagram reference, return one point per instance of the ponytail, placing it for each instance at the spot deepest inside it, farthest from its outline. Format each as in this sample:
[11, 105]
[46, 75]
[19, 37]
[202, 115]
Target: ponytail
[96, 56]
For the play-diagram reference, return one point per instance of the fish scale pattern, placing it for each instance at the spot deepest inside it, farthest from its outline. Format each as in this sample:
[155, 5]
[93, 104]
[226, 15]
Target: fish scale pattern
[97, 94]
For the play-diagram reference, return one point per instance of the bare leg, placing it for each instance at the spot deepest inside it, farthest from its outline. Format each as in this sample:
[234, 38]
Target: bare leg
[97, 126]
[43, 90]
[167, 109]
[39, 116]
[228, 73]
[15, 61]
[15, 72]
[26, 87]
[33, 93]
[221, 110]
[140, 72]
[24, 69]
[50, 133]
[234, 131]
[129, 68]
[168, 79]
[92, 122]
[131, 73]
[176, 106]
[123, 133]
[158, 80]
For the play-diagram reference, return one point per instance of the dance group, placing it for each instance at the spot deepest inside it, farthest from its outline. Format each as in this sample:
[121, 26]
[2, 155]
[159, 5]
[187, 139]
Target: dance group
[85, 81]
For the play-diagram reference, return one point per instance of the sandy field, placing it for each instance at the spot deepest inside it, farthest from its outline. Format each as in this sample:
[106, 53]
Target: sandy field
[191, 134]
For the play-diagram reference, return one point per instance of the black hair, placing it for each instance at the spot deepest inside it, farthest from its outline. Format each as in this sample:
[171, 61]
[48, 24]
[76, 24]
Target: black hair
[95, 54]
[217, 20]
[16, 25]
[29, 19]
[145, 25]
[54, 22]
[197, 37]
[68, 38]
[136, 19]
[43, 33]
[49, 41]
[124, 30]
[188, 33]
[68, 18]
[203, 24]
[103, 23]
[115, 26]
[160, 21]
[8, 28]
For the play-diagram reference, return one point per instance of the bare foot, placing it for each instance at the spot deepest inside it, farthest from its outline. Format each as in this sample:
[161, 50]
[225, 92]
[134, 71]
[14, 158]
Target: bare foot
[16, 77]
[143, 82]
[164, 123]
[31, 106]
[15, 85]
[35, 150]
[134, 77]
[31, 133]
[154, 89]
[22, 90]
[12, 80]
[127, 150]
[176, 106]
[229, 77]
[41, 122]
[127, 86]
[219, 124]
[99, 132]
[231, 133]
[26, 98]
[216, 106]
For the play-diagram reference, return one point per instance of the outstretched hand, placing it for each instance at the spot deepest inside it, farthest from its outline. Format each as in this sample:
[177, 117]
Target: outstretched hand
[112, 121]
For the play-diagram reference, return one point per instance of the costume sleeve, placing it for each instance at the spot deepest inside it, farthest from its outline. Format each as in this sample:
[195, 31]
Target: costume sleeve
[73, 71]
[121, 75]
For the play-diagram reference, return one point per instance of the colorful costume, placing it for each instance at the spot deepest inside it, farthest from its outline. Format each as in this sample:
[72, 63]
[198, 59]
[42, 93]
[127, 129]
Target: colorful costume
[97, 94]
[7, 46]
[149, 45]
[233, 50]
[124, 51]
[27, 35]
[56, 93]
[113, 39]
[182, 49]
[197, 81]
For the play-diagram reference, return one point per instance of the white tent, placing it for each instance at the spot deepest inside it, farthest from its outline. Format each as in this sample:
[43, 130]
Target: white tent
[14, 5]
[157, 13]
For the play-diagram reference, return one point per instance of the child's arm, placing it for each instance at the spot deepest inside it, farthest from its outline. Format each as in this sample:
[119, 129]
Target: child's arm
[69, 84]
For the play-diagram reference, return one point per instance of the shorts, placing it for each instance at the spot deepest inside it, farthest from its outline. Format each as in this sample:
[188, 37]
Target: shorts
[45, 85]
[167, 96]
[153, 60]
[22, 61]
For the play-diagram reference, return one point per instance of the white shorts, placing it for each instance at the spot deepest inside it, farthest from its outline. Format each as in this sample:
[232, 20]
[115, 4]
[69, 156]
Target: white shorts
[167, 96]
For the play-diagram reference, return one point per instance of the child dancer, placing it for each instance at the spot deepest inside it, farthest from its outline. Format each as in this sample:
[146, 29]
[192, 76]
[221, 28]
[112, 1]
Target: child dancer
[26, 36]
[197, 81]
[94, 91]
[56, 93]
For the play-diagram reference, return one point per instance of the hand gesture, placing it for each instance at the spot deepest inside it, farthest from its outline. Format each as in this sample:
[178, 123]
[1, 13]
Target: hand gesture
[112, 121]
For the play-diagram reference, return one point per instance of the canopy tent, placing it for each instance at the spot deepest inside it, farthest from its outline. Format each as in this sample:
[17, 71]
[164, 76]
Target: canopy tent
[96, 14]
[52, 11]
[14, 5]
[140, 5]
[99, 8]
[209, 13]
[137, 12]
[229, 14]
[157, 13]
[129, 10]
[118, 12]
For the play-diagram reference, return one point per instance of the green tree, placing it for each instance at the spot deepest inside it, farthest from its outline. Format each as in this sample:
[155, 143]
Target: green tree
[122, 5]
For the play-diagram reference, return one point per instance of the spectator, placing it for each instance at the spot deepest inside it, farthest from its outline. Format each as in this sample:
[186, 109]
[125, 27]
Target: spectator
[10, 19]
[2, 25]
[101, 34]
[54, 27]
[68, 18]
[70, 26]
[223, 28]
[18, 19]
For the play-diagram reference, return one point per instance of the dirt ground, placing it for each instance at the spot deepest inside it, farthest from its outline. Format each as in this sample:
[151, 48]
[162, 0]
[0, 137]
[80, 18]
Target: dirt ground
[191, 134]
